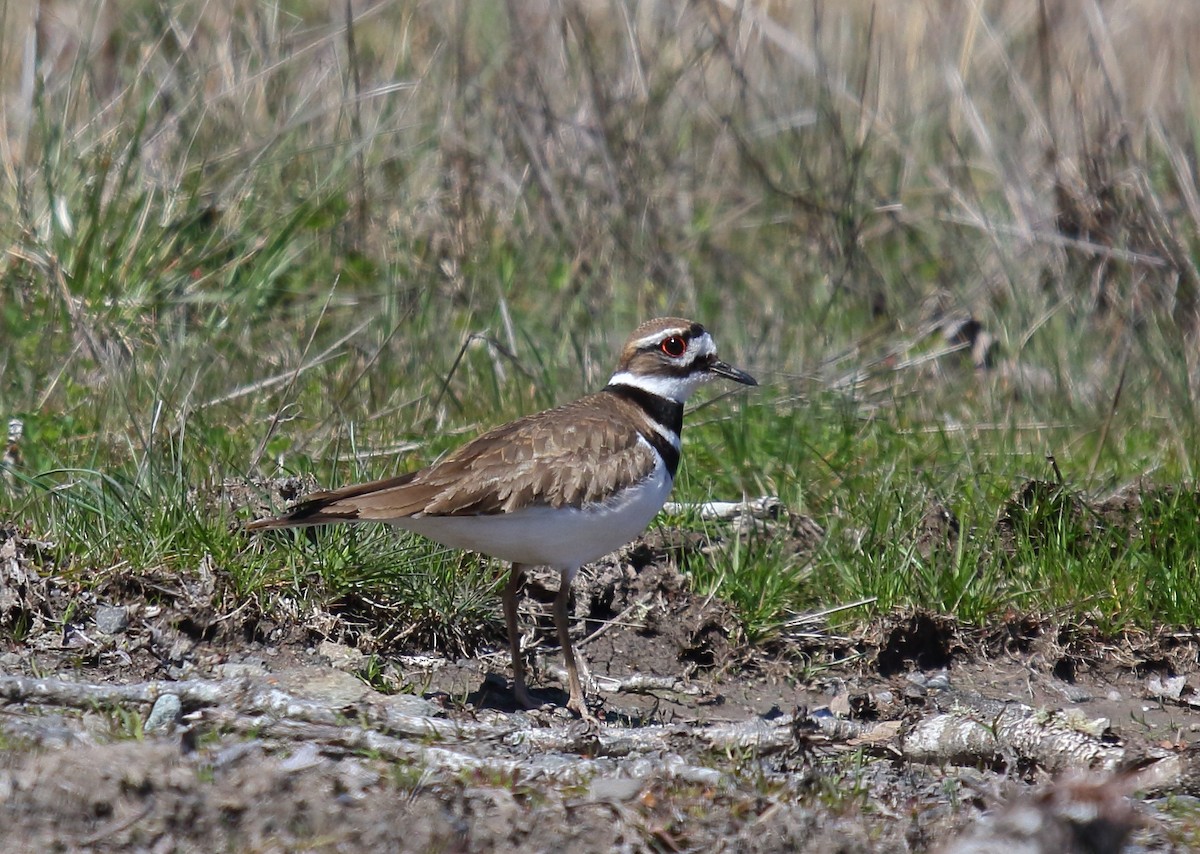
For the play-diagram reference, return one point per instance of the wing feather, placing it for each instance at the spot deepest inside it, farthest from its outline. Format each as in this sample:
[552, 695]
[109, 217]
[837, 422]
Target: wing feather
[567, 456]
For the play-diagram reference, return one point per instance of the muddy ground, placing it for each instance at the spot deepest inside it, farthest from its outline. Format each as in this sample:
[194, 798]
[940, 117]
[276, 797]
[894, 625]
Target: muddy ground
[168, 727]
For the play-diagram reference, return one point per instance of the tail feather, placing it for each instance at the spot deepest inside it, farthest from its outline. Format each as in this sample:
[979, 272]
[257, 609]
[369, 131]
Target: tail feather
[326, 508]
[301, 516]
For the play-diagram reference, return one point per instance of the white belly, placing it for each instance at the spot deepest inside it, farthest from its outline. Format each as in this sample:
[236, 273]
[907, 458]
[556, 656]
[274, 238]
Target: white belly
[561, 538]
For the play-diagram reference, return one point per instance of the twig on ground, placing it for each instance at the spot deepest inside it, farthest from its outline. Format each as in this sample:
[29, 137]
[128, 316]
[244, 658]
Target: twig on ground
[615, 621]
[976, 730]
[765, 507]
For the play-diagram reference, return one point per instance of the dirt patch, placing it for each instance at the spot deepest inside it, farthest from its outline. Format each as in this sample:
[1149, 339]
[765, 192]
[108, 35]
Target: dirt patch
[280, 742]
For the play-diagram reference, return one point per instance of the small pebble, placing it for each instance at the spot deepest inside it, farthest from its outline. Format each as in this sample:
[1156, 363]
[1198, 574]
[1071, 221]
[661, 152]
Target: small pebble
[341, 656]
[111, 619]
[240, 670]
[614, 788]
[164, 713]
[409, 704]
[938, 681]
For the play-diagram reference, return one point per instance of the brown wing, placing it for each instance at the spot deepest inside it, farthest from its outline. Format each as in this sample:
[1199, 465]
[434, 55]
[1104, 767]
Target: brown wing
[566, 456]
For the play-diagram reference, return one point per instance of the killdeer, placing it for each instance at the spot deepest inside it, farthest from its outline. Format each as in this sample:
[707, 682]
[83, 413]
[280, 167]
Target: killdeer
[560, 488]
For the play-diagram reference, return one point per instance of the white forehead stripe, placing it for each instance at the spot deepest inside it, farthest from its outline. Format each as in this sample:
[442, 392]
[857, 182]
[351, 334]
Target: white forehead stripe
[701, 344]
[653, 338]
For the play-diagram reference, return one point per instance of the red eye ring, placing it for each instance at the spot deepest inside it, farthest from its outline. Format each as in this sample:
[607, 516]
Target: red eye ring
[674, 346]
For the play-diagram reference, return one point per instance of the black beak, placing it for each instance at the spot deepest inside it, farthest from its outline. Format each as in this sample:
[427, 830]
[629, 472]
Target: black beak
[730, 372]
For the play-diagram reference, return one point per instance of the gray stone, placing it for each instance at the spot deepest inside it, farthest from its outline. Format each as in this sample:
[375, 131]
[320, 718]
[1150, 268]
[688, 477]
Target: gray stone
[112, 619]
[164, 713]
[335, 687]
[614, 788]
[240, 670]
[939, 681]
[341, 656]
[409, 704]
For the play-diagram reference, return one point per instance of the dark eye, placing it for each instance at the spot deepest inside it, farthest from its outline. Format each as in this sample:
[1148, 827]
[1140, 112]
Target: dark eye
[673, 346]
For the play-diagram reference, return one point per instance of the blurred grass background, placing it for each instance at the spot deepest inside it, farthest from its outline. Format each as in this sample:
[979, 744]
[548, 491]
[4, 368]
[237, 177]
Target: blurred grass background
[246, 239]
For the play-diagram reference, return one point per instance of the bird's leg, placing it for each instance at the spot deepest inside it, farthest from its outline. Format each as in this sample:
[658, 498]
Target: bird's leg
[511, 590]
[561, 621]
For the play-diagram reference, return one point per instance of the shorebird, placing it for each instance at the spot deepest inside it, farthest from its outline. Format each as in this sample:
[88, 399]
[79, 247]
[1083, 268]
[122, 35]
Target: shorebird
[559, 488]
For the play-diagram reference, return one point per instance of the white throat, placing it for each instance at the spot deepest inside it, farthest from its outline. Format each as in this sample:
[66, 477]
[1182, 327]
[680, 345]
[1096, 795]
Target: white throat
[678, 389]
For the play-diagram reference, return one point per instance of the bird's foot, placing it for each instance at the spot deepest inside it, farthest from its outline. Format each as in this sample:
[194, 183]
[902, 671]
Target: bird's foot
[579, 706]
[521, 695]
